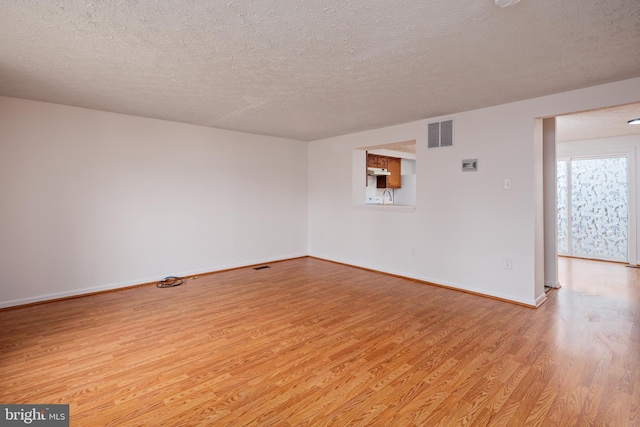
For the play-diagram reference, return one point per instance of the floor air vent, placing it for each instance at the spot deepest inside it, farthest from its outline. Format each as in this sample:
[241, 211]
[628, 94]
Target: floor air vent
[261, 268]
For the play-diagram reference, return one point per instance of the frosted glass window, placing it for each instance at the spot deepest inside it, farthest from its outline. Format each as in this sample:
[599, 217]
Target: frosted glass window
[563, 208]
[599, 208]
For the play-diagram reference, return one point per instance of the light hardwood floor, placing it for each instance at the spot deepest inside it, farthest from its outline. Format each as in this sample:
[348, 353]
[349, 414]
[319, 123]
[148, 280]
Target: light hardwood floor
[308, 342]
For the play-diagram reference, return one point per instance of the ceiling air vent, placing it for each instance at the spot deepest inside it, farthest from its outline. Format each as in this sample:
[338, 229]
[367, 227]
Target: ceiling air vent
[440, 134]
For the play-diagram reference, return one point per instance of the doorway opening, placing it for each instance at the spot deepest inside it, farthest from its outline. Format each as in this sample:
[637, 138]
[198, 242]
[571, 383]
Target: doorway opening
[591, 147]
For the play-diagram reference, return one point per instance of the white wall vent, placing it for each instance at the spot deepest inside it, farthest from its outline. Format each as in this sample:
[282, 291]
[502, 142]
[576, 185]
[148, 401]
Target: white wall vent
[440, 134]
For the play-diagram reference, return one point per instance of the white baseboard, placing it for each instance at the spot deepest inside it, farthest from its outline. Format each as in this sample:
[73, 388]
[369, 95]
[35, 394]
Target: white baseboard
[114, 286]
[542, 298]
[456, 286]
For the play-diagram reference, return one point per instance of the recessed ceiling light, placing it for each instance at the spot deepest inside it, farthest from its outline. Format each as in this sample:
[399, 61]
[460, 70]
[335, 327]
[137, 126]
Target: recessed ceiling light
[634, 121]
[506, 3]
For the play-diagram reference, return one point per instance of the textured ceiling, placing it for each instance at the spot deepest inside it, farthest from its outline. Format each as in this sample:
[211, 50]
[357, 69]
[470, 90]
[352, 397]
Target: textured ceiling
[601, 123]
[313, 69]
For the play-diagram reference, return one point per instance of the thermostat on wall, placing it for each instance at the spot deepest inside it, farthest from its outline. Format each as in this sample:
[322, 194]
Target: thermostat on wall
[470, 165]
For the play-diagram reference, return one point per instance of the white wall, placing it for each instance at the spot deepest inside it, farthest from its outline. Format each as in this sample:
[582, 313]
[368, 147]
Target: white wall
[550, 202]
[92, 200]
[464, 224]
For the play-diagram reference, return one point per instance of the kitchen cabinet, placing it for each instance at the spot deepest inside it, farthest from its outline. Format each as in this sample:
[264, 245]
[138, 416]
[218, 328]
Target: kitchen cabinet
[394, 166]
[375, 161]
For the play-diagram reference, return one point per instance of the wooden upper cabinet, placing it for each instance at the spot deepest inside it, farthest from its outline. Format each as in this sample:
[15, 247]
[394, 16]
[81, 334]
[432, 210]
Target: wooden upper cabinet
[371, 161]
[394, 166]
[375, 161]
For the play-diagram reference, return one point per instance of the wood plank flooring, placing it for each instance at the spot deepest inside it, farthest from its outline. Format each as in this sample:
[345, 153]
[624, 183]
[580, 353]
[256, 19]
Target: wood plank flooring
[312, 343]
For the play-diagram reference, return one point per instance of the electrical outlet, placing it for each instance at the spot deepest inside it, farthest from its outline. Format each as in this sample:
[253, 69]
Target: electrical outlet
[414, 251]
[507, 263]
